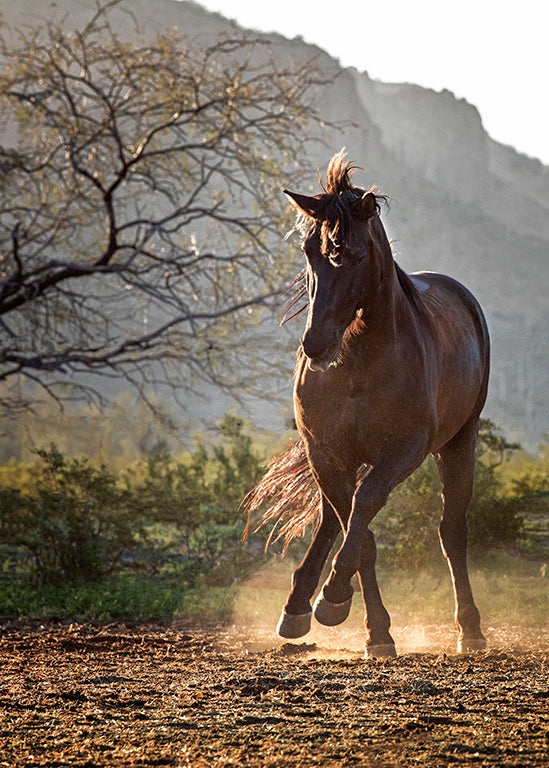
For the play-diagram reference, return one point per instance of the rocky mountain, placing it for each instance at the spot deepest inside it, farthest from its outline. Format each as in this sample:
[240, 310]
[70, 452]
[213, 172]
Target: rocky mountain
[460, 202]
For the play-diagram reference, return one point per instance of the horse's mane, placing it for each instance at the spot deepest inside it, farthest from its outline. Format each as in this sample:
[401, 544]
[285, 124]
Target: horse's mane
[409, 289]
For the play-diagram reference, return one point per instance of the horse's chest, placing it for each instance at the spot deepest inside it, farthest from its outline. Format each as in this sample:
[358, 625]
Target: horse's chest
[355, 413]
[330, 413]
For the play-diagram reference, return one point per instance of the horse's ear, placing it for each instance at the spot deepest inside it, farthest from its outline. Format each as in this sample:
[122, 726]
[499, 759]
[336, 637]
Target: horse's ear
[304, 204]
[368, 205]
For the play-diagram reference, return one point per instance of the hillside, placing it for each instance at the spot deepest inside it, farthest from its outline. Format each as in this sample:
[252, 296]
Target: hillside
[460, 202]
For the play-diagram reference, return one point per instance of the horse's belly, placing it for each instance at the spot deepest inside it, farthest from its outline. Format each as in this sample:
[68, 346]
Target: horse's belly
[459, 392]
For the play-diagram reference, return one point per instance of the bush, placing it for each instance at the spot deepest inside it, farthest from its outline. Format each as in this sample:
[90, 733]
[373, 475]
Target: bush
[70, 523]
[74, 522]
[122, 596]
[406, 529]
[81, 539]
[492, 519]
[194, 502]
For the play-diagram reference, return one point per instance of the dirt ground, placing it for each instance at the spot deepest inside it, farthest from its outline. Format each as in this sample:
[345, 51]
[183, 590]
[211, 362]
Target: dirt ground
[153, 695]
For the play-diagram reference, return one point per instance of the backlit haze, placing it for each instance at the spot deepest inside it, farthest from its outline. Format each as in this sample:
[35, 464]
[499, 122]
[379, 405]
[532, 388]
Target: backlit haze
[493, 54]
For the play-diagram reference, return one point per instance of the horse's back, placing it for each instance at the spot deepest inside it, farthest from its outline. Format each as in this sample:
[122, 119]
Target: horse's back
[450, 303]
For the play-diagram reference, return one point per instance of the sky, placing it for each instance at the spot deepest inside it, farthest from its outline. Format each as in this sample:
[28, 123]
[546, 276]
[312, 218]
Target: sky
[493, 54]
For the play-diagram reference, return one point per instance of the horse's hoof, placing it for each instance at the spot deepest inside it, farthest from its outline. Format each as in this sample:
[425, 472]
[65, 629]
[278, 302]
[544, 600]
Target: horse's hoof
[292, 626]
[330, 614]
[469, 644]
[386, 651]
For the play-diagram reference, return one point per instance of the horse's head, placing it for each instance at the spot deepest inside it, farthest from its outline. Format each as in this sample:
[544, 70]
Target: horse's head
[339, 244]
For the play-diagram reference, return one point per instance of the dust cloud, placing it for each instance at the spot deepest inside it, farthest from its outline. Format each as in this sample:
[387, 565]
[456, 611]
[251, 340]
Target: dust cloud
[421, 609]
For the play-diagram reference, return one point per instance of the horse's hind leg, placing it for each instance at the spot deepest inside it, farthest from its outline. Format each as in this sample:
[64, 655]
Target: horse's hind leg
[295, 620]
[456, 462]
[379, 642]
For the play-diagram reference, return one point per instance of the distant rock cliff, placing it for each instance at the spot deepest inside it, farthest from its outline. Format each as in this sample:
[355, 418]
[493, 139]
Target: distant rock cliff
[461, 203]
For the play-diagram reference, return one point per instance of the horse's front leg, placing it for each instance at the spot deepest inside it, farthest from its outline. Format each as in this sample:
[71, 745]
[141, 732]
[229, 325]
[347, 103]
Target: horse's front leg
[358, 553]
[377, 621]
[379, 642]
[295, 620]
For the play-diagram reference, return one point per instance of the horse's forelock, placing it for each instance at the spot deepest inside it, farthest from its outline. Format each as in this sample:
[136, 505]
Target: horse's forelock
[337, 206]
[336, 215]
[338, 175]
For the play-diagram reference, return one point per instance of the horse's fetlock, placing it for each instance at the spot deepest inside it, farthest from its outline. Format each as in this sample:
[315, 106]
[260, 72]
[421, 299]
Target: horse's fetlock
[468, 619]
[338, 592]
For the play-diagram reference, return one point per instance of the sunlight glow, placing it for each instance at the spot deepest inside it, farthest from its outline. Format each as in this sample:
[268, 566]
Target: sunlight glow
[494, 55]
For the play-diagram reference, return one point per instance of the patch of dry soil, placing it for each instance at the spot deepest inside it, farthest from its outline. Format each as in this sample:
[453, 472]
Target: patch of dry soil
[152, 695]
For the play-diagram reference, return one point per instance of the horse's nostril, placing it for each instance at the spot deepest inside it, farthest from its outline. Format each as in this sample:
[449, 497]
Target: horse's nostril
[320, 351]
[314, 346]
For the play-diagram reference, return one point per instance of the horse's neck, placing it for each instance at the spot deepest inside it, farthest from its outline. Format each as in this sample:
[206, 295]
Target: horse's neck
[387, 303]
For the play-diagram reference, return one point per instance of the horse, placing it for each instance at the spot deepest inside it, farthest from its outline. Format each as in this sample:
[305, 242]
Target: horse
[391, 367]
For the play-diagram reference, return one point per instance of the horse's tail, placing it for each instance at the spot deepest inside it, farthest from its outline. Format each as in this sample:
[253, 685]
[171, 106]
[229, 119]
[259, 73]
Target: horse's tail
[291, 493]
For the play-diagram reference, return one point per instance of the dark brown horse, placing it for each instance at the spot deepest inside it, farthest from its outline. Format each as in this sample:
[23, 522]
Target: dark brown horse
[391, 367]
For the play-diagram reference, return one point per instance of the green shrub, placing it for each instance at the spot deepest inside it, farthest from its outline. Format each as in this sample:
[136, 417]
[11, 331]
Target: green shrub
[83, 540]
[196, 501]
[492, 519]
[123, 596]
[75, 524]
[407, 528]
[68, 522]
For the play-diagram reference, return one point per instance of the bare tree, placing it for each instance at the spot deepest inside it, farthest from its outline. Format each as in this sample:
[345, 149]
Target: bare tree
[140, 206]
